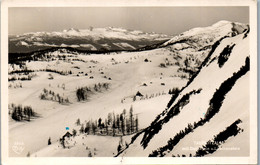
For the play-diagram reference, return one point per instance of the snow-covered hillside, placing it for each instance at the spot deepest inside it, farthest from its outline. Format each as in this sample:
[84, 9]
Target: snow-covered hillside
[66, 102]
[195, 44]
[85, 39]
[202, 37]
[212, 100]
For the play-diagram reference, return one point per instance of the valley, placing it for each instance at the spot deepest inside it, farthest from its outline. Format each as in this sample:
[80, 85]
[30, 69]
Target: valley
[170, 88]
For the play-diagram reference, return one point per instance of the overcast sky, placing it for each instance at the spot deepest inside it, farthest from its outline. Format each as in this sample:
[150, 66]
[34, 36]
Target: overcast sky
[166, 20]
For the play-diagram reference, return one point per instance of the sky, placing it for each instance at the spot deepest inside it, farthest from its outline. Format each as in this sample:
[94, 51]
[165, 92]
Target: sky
[165, 20]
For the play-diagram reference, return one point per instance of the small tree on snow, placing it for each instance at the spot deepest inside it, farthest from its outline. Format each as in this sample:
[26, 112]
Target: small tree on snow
[119, 147]
[82, 129]
[109, 118]
[99, 122]
[94, 127]
[106, 126]
[114, 127]
[134, 98]
[118, 121]
[128, 125]
[74, 132]
[136, 123]
[122, 119]
[131, 119]
[49, 141]
[87, 128]
[78, 122]
[89, 154]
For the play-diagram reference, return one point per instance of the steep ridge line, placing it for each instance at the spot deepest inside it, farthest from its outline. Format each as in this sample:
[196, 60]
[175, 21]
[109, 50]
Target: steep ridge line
[158, 125]
[214, 47]
[174, 97]
[155, 127]
[215, 105]
[246, 32]
[219, 96]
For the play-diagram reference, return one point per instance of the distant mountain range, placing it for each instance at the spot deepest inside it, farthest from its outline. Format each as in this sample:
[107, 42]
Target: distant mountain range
[93, 39]
[101, 40]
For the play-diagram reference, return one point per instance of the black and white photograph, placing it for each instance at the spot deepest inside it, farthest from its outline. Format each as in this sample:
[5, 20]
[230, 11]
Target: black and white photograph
[130, 82]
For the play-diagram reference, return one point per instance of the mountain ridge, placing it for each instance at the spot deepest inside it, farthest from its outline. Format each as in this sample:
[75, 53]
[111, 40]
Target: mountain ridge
[85, 39]
[147, 140]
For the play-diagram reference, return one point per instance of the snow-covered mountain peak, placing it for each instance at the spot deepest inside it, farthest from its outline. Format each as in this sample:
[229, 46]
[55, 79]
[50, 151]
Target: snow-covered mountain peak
[204, 36]
[71, 30]
[221, 23]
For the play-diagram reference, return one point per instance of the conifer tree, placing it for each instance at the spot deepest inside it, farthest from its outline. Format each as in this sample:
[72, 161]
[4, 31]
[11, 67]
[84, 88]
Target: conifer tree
[122, 119]
[74, 132]
[99, 122]
[131, 119]
[87, 128]
[114, 124]
[106, 126]
[109, 118]
[136, 123]
[94, 127]
[49, 141]
[78, 122]
[117, 122]
[128, 129]
[82, 129]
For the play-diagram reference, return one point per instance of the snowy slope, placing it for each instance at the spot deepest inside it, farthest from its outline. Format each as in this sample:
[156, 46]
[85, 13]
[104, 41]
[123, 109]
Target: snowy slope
[206, 35]
[127, 79]
[192, 46]
[209, 79]
[130, 72]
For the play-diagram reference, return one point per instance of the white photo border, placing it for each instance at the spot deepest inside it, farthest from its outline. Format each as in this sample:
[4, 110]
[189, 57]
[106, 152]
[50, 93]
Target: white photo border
[252, 159]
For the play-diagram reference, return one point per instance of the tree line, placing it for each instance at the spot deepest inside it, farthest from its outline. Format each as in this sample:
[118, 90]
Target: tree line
[51, 95]
[83, 93]
[172, 142]
[224, 55]
[122, 124]
[157, 124]
[19, 113]
[173, 91]
[57, 71]
[212, 145]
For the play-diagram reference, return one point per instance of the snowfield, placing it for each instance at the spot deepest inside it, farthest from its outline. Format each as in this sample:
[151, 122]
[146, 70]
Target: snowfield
[197, 60]
[130, 76]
